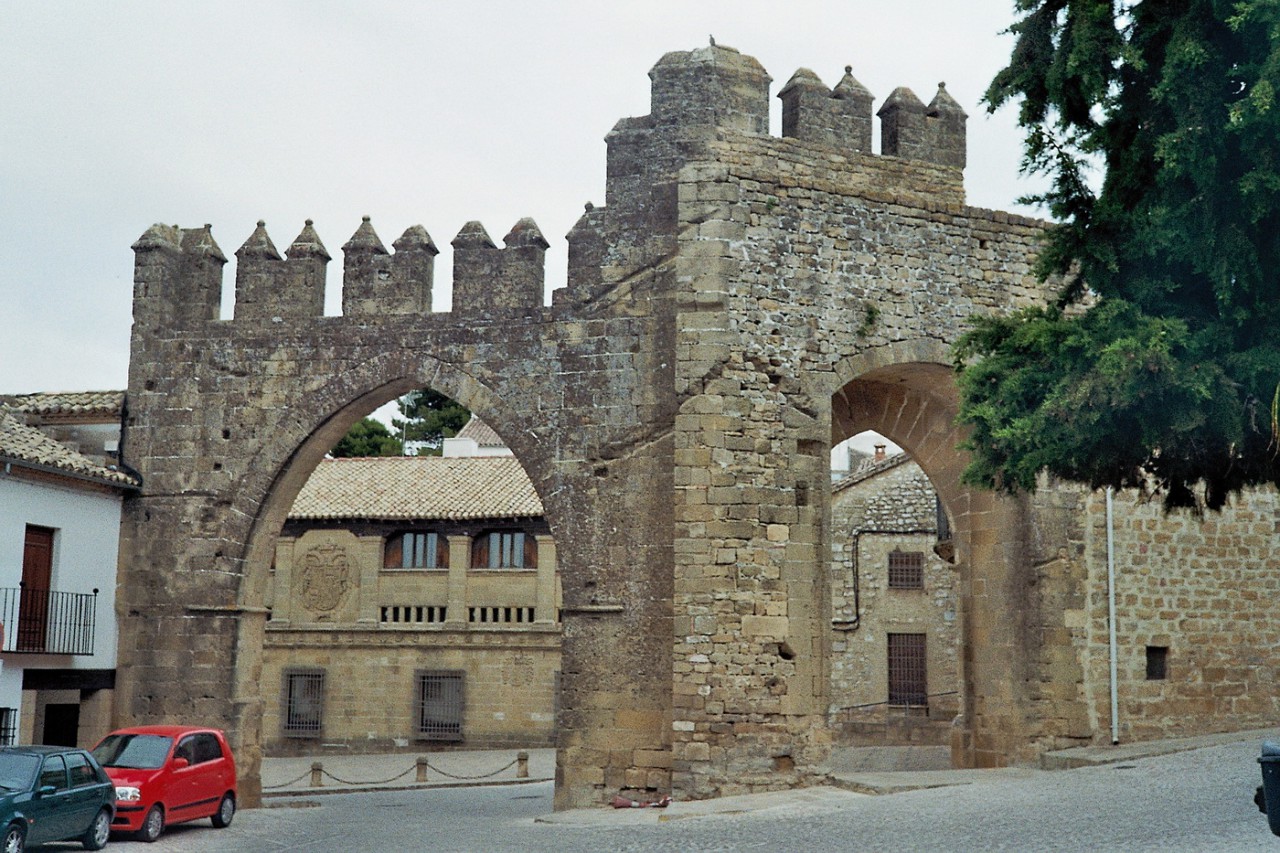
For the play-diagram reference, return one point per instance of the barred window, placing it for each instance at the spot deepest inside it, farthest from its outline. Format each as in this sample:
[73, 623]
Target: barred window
[504, 550]
[438, 704]
[907, 682]
[303, 703]
[906, 569]
[8, 726]
[416, 550]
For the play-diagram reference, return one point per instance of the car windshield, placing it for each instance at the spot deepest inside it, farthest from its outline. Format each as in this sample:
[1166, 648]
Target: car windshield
[17, 770]
[141, 751]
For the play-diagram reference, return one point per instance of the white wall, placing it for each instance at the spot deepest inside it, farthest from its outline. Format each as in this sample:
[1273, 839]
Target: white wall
[85, 550]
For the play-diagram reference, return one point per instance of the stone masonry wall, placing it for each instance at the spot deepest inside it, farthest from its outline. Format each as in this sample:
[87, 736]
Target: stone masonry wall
[738, 305]
[873, 514]
[1205, 589]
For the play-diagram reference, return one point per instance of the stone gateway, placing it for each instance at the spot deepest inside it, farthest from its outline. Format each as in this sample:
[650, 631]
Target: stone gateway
[740, 303]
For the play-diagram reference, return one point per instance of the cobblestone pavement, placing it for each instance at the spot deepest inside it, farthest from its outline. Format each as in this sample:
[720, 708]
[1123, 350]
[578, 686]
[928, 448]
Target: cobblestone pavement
[1200, 800]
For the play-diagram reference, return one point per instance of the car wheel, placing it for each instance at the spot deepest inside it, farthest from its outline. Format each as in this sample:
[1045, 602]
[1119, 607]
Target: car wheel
[95, 837]
[15, 840]
[226, 811]
[152, 824]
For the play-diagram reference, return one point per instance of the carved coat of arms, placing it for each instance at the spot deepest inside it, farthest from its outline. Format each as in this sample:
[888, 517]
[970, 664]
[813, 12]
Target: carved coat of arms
[324, 578]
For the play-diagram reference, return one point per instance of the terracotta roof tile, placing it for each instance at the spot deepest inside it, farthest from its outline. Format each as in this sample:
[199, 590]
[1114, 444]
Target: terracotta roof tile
[418, 487]
[67, 403]
[869, 467]
[481, 433]
[23, 444]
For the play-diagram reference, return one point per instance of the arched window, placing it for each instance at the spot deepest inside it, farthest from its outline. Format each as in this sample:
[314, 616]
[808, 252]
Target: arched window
[504, 549]
[416, 550]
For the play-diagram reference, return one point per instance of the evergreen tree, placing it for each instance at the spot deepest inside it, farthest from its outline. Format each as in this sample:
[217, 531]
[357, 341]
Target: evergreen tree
[367, 437]
[1162, 354]
[430, 417]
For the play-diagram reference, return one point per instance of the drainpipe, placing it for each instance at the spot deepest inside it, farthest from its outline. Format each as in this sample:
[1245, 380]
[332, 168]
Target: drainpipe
[1111, 619]
[857, 595]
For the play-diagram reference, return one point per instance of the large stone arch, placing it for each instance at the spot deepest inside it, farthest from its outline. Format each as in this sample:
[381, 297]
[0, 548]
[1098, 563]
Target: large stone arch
[280, 469]
[906, 392]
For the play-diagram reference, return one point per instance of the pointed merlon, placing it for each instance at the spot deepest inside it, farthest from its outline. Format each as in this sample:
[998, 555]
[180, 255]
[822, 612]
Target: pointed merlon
[365, 240]
[308, 245]
[258, 245]
[526, 233]
[416, 239]
[472, 236]
[803, 79]
[944, 104]
[199, 241]
[901, 98]
[850, 88]
[158, 236]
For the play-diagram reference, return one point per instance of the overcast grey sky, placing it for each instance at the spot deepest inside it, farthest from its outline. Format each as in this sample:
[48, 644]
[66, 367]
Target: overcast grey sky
[114, 116]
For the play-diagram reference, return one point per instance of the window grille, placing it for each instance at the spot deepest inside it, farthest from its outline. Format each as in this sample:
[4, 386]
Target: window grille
[907, 670]
[8, 726]
[304, 703]
[906, 569]
[438, 704]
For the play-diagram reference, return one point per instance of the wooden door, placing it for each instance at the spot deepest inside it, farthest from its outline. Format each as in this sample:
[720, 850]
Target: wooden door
[37, 576]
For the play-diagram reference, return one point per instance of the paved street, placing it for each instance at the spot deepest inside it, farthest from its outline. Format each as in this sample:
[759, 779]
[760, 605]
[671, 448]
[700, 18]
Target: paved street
[1199, 800]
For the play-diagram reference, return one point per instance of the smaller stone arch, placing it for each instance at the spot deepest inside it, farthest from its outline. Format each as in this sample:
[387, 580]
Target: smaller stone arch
[906, 391]
[282, 465]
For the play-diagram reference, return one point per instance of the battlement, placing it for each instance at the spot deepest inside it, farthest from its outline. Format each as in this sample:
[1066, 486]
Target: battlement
[178, 274]
[699, 93]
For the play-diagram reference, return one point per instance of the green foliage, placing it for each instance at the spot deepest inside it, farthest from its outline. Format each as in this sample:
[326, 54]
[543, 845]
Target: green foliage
[1163, 353]
[430, 416]
[367, 437]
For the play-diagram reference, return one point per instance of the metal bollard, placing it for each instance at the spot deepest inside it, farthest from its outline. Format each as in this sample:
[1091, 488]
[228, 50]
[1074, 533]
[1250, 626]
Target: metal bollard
[317, 771]
[422, 768]
[522, 765]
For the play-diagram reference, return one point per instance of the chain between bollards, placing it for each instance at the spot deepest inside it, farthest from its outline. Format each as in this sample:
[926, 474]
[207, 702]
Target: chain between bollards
[420, 768]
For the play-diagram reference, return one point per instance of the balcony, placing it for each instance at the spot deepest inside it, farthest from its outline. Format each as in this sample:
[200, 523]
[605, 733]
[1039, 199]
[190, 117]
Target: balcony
[40, 621]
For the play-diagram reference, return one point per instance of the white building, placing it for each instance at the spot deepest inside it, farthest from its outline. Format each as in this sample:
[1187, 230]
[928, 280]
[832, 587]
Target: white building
[59, 542]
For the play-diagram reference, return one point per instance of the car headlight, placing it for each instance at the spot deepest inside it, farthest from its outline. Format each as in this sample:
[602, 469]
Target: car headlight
[125, 794]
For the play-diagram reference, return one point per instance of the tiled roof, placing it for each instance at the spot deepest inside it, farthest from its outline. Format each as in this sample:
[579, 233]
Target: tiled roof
[418, 487]
[22, 444]
[481, 433]
[869, 468]
[67, 404]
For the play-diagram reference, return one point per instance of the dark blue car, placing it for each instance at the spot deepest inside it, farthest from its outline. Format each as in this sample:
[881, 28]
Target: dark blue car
[53, 793]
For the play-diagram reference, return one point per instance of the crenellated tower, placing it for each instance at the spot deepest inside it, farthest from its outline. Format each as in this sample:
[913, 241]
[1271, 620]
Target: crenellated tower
[177, 280]
[837, 118]
[489, 279]
[376, 282]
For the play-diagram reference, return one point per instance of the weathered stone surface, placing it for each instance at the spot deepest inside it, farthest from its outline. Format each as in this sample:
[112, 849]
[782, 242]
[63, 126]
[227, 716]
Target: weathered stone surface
[739, 304]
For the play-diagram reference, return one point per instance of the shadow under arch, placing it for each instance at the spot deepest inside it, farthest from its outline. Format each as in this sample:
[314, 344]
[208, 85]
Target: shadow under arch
[282, 467]
[906, 391]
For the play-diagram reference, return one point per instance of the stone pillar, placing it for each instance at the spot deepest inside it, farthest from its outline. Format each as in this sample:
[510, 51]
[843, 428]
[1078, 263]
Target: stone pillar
[459, 563]
[545, 600]
[282, 591]
[367, 555]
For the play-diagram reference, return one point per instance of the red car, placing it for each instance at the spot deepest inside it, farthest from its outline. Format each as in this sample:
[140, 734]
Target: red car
[168, 774]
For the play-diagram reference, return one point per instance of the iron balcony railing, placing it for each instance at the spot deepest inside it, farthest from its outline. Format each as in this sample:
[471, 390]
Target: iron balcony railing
[41, 621]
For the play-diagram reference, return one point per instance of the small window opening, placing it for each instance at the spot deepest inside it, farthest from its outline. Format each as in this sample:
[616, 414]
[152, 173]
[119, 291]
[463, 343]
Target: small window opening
[1157, 663]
